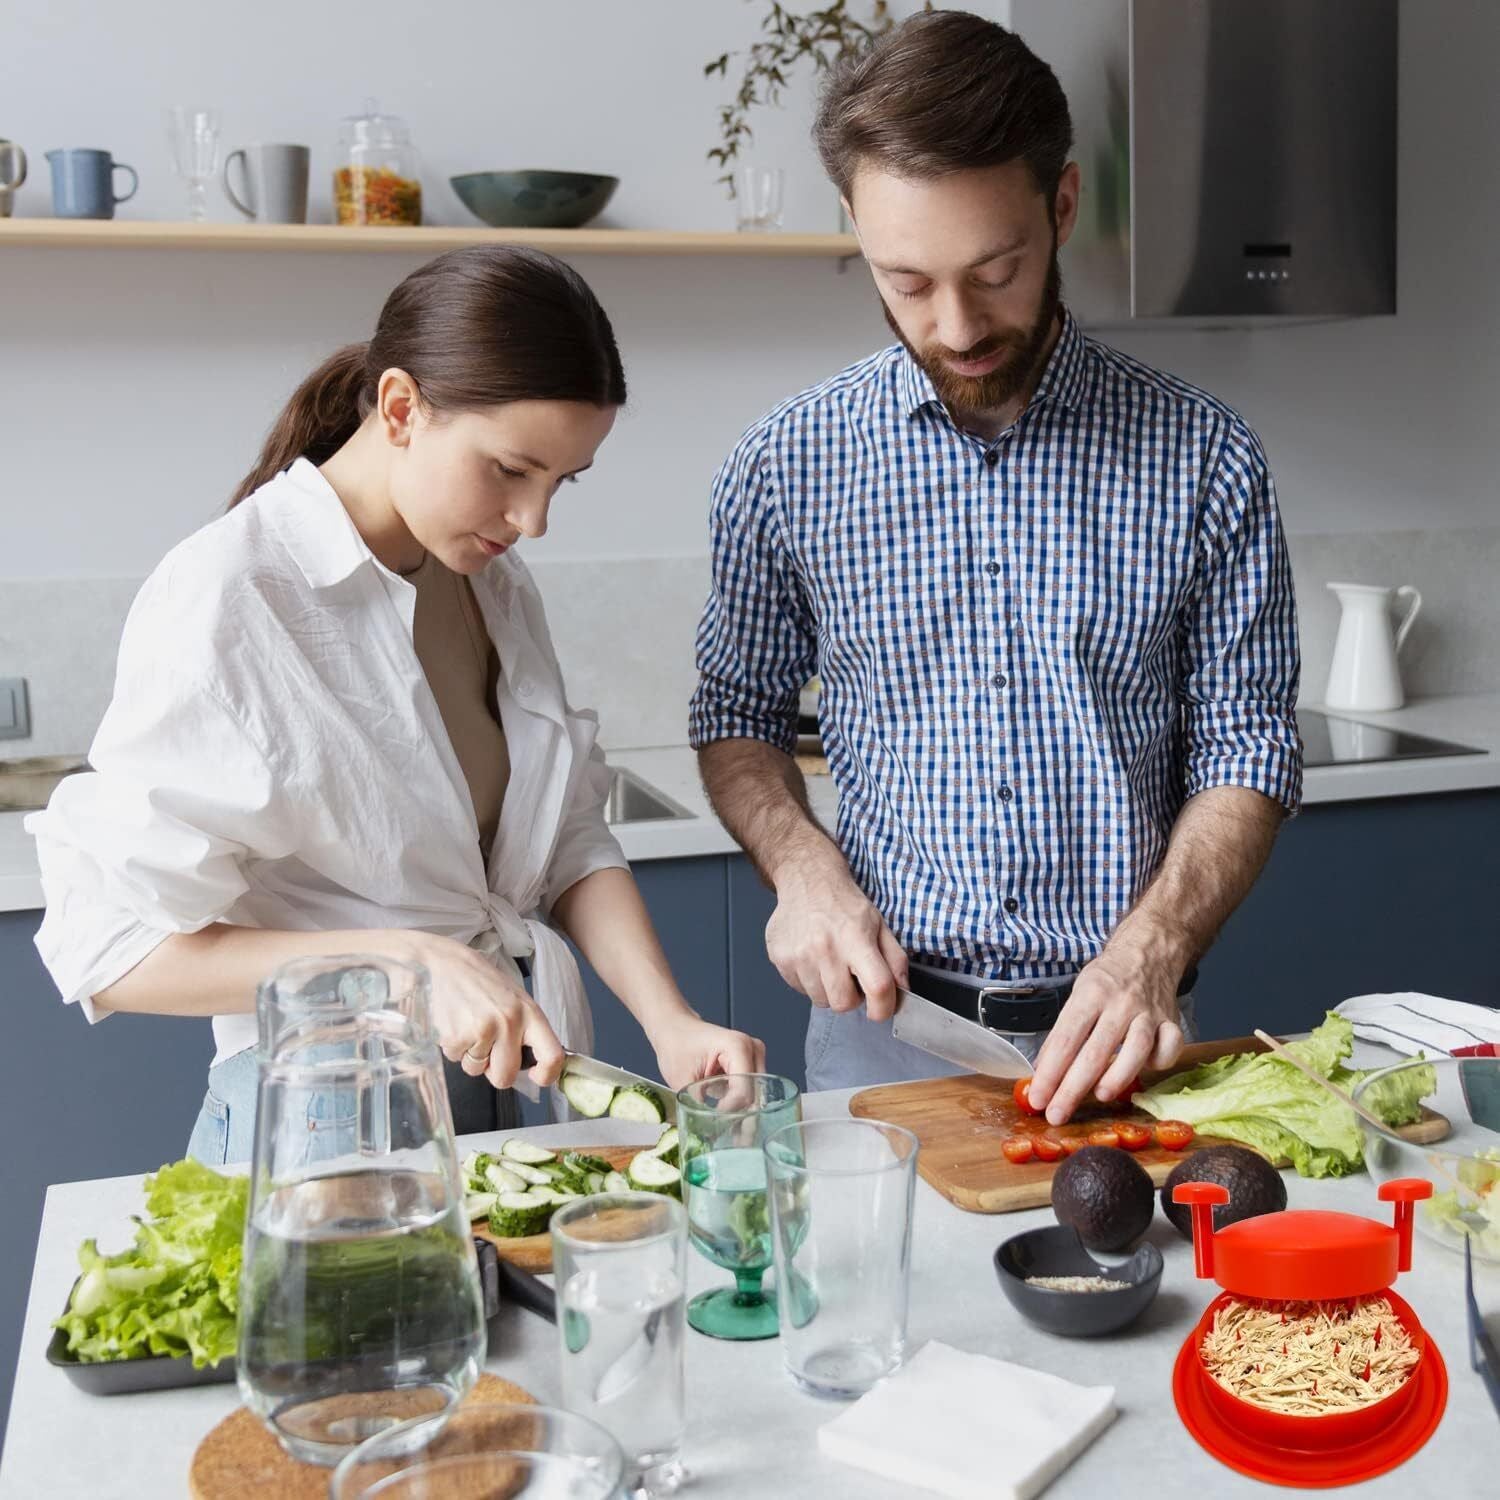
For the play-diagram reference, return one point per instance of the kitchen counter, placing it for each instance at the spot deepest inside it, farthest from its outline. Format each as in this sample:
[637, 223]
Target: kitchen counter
[751, 1432]
[1470, 720]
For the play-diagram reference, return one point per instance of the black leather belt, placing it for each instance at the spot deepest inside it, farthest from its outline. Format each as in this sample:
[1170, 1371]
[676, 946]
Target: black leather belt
[1024, 1009]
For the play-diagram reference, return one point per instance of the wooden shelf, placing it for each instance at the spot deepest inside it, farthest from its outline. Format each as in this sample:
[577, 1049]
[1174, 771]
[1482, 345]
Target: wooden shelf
[136, 234]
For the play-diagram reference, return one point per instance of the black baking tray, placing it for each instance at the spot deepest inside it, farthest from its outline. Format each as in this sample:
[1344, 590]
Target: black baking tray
[501, 1283]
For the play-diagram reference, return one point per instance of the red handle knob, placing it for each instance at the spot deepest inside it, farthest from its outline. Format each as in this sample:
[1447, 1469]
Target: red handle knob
[1202, 1197]
[1404, 1193]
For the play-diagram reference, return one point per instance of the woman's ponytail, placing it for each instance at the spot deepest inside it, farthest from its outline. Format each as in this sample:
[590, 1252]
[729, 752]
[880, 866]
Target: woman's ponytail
[323, 414]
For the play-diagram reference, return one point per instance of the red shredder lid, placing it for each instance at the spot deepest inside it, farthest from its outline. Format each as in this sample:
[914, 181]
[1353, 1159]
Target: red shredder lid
[1303, 1254]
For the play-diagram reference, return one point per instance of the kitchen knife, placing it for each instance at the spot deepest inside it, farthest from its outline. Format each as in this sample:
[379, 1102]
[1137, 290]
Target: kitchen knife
[582, 1066]
[966, 1044]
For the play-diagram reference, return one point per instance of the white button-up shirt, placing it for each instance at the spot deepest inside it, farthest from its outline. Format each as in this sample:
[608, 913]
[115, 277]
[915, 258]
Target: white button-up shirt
[273, 757]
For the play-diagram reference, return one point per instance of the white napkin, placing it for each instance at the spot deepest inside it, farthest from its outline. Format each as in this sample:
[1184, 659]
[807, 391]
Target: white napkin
[1412, 1023]
[969, 1426]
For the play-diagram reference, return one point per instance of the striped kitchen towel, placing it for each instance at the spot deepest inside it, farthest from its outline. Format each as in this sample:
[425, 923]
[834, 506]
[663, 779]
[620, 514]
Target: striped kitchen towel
[1412, 1023]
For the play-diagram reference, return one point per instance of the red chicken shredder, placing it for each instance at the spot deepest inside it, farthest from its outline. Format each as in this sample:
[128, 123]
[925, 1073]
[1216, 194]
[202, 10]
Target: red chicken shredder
[1307, 1369]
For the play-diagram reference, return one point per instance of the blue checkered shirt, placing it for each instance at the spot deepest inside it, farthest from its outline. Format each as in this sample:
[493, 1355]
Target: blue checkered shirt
[1032, 651]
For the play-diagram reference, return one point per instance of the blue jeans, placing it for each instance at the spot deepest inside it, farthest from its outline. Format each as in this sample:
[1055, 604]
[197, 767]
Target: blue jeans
[225, 1129]
[846, 1051]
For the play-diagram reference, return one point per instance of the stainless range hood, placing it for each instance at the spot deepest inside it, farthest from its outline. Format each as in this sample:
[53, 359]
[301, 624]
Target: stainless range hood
[1238, 156]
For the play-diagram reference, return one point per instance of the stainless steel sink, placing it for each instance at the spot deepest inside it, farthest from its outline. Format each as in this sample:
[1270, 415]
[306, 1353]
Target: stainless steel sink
[632, 800]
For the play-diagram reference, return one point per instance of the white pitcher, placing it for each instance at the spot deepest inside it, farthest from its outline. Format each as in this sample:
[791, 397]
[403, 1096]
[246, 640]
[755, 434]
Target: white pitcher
[1365, 674]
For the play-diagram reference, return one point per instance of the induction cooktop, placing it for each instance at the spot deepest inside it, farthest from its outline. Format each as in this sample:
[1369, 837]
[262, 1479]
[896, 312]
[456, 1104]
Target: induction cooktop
[1331, 740]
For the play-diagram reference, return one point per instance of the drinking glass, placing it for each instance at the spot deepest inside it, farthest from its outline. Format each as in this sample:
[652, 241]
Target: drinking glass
[485, 1450]
[360, 1302]
[619, 1261]
[723, 1123]
[758, 198]
[841, 1196]
[194, 134]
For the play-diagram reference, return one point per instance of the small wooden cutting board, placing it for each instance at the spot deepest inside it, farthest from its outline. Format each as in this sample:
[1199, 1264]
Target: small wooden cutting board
[533, 1252]
[961, 1121]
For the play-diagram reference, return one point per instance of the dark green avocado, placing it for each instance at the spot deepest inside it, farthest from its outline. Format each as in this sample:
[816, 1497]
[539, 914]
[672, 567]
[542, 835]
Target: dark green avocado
[1255, 1186]
[1105, 1194]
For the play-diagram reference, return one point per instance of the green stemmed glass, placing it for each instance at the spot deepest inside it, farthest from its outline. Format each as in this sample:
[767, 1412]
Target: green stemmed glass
[723, 1123]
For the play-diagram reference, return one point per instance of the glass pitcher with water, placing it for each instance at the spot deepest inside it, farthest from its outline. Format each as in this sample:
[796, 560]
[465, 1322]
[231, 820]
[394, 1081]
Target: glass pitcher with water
[360, 1301]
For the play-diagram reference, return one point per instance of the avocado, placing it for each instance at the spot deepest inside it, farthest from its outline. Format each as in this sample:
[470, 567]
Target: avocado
[1255, 1186]
[1105, 1194]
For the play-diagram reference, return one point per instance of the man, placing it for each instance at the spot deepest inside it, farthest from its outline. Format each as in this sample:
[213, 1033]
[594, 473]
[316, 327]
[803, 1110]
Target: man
[1046, 590]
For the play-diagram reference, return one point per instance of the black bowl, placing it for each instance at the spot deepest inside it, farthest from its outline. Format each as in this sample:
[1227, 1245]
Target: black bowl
[1057, 1251]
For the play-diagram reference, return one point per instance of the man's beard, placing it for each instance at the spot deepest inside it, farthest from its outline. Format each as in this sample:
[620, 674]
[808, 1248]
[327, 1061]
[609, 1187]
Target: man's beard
[1011, 378]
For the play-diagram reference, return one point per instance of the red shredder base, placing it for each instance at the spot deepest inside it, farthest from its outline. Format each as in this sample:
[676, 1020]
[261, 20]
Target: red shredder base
[1302, 1468]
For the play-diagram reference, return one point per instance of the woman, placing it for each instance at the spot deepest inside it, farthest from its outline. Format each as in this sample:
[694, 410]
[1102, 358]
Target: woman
[339, 724]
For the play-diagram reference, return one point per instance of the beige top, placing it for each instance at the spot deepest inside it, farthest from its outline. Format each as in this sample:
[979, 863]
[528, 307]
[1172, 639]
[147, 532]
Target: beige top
[462, 668]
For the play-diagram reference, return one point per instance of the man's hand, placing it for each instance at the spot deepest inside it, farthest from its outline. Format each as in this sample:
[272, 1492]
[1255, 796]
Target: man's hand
[827, 939]
[1121, 1017]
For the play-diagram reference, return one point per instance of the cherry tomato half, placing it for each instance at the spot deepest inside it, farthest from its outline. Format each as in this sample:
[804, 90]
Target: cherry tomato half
[1022, 1098]
[1104, 1135]
[1072, 1143]
[1175, 1135]
[1017, 1148]
[1047, 1147]
[1133, 1135]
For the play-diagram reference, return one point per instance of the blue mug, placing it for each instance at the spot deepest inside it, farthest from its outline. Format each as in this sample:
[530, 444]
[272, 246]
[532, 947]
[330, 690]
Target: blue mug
[83, 184]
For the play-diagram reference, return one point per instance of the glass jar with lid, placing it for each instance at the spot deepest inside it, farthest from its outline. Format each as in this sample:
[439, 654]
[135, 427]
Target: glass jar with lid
[378, 180]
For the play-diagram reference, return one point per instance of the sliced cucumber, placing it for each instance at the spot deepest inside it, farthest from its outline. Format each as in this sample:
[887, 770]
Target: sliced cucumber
[637, 1103]
[597, 1181]
[516, 1215]
[499, 1178]
[588, 1096]
[667, 1146]
[560, 1195]
[579, 1161]
[524, 1151]
[653, 1175]
[478, 1205]
[536, 1176]
[616, 1182]
[475, 1164]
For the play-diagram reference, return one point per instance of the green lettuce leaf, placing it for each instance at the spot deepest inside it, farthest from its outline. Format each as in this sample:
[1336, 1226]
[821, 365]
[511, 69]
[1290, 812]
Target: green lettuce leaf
[176, 1290]
[1263, 1102]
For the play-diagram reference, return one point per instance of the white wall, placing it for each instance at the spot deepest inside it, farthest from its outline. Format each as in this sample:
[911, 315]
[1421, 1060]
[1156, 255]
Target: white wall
[134, 386]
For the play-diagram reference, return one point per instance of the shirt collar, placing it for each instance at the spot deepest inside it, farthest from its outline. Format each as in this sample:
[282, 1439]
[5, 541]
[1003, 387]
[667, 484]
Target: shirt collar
[319, 534]
[1062, 380]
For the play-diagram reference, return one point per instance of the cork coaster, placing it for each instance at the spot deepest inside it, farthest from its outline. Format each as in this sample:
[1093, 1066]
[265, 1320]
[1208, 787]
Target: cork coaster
[240, 1458]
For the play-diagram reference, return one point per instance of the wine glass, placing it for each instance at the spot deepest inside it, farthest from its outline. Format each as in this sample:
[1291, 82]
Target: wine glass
[723, 1123]
[194, 135]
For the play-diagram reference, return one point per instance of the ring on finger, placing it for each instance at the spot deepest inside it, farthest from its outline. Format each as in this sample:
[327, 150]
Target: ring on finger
[479, 1057]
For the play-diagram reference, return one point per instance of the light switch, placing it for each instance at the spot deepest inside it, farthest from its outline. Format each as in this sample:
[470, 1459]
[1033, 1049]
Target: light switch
[15, 709]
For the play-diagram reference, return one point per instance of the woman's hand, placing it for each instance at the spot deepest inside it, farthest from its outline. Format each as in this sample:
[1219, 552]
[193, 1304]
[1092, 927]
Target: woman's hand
[689, 1048]
[482, 1018]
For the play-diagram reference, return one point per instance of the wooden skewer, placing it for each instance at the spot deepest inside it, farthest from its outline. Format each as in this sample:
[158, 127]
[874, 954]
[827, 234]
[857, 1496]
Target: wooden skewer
[1287, 1055]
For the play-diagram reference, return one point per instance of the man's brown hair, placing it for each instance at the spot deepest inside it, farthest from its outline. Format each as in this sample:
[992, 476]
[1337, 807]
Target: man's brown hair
[944, 92]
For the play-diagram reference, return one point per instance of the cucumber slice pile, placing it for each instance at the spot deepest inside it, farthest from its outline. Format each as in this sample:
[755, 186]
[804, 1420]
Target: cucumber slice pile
[520, 1189]
[593, 1099]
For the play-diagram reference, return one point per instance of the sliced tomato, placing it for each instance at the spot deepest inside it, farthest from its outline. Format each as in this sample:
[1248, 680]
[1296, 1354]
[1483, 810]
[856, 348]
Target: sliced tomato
[1017, 1148]
[1175, 1135]
[1072, 1143]
[1022, 1098]
[1104, 1135]
[1133, 1135]
[1047, 1147]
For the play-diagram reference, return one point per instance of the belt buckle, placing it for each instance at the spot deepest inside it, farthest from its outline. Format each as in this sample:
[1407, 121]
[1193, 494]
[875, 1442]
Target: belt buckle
[1010, 992]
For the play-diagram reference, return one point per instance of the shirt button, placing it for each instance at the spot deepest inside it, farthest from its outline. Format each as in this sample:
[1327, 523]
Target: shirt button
[1006, 794]
[992, 457]
[1011, 904]
[524, 688]
[992, 568]
[999, 679]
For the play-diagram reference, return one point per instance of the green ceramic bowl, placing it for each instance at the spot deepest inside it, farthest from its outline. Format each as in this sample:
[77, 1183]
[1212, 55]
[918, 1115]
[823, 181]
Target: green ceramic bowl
[534, 200]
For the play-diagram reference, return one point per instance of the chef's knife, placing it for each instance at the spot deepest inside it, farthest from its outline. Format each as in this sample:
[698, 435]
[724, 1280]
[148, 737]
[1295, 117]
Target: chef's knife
[966, 1044]
[582, 1066]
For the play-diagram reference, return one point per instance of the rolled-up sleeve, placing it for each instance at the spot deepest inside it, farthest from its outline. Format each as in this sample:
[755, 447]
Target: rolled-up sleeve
[153, 840]
[1242, 661]
[756, 641]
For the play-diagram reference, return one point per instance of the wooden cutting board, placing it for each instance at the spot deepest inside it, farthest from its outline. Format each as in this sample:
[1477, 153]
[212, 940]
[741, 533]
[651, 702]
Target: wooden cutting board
[533, 1252]
[241, 1460]
[961, 1121]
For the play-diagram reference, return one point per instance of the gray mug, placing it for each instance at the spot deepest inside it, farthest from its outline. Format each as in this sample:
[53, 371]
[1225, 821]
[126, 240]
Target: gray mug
[12, 174]
[275, 183]
[83, 184]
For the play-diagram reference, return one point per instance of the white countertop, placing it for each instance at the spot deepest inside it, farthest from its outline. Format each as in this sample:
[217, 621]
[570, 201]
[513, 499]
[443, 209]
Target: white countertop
[1469, 720]
[751, 1432]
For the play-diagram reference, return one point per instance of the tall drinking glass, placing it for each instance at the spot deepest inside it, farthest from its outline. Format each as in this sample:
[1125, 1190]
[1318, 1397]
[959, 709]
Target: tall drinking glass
[619, 1260]
[194, 137]
[360, 1303]
[483, 1451]
[723, 1124]
[841, 1200]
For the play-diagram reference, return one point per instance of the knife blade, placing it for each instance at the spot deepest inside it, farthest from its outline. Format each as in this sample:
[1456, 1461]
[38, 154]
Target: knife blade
[582, 1066]
[966, 1044]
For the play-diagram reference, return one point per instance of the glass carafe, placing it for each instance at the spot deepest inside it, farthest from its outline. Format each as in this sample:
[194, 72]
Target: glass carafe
[360, 1301]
